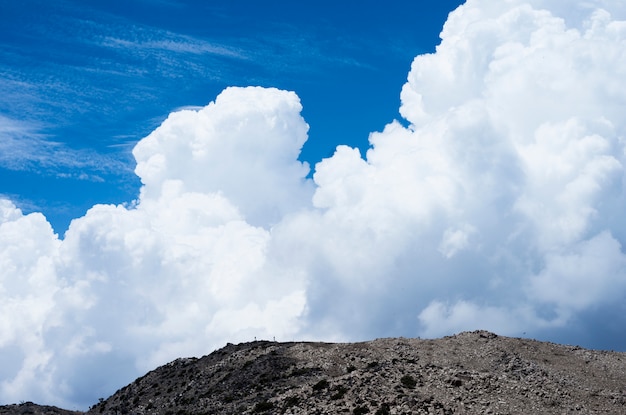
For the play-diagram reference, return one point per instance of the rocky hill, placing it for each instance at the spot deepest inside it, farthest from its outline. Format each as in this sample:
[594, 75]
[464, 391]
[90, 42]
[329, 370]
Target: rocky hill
[29, 408]
[469, 373]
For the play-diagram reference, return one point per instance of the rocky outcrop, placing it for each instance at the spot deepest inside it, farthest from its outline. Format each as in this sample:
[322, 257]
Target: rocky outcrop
[469, 373]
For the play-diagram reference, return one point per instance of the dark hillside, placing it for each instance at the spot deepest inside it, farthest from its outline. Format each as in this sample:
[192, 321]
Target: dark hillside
[29, 408]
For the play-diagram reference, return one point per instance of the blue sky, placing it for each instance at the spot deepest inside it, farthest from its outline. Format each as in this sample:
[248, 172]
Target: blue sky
[84, 81]
[302, 171]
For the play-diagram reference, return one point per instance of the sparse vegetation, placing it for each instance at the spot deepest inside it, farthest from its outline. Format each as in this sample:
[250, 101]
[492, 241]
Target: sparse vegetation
[339, 392]
[263, 406]
[322, 384]
[291, 401]
[384, 409]
[408, 381]
[302, 371]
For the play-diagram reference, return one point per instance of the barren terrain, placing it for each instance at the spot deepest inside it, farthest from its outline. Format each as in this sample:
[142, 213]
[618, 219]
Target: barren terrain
[469, 373]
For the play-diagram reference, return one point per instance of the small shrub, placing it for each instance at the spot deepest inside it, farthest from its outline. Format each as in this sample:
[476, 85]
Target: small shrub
[383, 410]
[360, 410]
[322, 384]
[263, 406]
[408, 381]
[301, 371]
[339, 392]
[291, 401]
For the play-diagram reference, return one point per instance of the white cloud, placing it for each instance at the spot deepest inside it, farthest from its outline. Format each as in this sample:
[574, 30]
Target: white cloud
[500, 206]
[441, 319]
[454, 240]
[177, 273]
[589, 273]
[28, 285]
[232, 147]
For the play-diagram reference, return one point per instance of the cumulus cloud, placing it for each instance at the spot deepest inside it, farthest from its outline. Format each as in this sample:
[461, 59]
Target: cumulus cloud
[178, 272]
[244, 145]
[499, 205]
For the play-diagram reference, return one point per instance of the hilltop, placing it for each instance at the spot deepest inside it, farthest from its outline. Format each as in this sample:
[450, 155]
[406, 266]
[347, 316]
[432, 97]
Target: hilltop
[468, 373]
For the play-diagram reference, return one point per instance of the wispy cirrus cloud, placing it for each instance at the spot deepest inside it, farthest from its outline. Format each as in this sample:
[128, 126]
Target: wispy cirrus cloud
[171, 42]
[93, 62]
[24, 147]
[105, 67]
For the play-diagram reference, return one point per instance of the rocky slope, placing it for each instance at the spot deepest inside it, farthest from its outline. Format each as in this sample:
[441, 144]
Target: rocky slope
[29, 408]
[469, 373]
